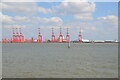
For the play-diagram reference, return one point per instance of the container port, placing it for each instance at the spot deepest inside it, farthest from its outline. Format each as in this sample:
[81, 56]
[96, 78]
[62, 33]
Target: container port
[19, 37]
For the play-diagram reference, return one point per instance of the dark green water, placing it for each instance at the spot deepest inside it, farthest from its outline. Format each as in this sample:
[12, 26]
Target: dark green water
[56, 60]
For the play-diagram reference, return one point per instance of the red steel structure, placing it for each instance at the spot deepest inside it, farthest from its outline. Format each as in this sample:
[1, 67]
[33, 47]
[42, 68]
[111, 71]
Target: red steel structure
[14, 36]
[39, 36]
[80, 37]
[17, 36]
[53, 36]
[21, 36]
[67, 36]
[60, 39]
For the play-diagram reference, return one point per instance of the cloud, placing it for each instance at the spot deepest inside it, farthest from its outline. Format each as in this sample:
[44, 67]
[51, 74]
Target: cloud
[14, 26]
[80, 10]
[20, 8]
[59, 0]
[23, 20]
[110, 17]
[30, 0]
[6, 19]
[52, 20]
[44, 10]
[110, 20]
[24, 8]
[85, 16]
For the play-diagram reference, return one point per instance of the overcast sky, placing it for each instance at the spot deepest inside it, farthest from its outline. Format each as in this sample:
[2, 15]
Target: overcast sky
[98, 21]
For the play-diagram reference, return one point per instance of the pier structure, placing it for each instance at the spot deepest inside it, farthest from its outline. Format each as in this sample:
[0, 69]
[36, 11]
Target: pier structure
[39, 36]
[53, 39]
[67, 36]
[60, 38]
[80, 37]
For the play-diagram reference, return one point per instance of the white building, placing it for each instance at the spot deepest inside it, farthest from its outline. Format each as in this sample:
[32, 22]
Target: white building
[99, 41]
[85, 40]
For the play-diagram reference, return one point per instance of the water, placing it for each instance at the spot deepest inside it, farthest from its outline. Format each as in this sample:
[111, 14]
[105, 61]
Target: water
[56, 60]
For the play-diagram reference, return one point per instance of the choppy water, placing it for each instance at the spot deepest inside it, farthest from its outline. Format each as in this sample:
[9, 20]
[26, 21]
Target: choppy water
[56, 60]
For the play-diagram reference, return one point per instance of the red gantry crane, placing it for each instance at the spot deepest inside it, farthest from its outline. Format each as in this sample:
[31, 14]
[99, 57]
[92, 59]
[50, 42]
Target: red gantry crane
[21, 36]
[80, 36]
[53, 36]
[17, 35]
[14, 36]
[39, 36]
[60, 39]
[67, 36]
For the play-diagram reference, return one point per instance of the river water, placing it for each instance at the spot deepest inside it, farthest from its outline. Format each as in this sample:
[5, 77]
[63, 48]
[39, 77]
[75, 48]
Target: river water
[56, 60]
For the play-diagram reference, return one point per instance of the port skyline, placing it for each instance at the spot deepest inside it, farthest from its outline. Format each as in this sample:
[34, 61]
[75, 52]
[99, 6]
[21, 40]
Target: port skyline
[95, 26]
[19, 37]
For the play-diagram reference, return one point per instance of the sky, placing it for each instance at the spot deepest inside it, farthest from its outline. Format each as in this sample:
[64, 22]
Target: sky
[97, 20]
